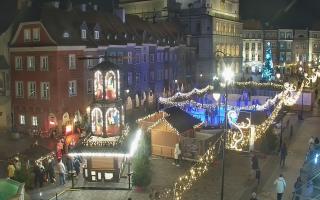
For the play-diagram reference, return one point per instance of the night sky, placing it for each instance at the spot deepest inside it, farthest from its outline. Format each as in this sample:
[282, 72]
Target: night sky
[282, 13]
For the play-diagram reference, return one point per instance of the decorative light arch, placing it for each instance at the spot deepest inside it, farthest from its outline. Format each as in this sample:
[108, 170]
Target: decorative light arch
[97, 121]
[112, 121]
[98, 85]
[111, 85]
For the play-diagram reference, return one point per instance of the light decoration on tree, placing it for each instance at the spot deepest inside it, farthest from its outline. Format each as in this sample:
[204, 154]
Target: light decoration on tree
[267, 69]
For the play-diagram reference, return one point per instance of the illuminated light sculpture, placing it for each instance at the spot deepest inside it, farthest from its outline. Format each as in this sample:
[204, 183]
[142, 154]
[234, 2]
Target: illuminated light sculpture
[237, 136]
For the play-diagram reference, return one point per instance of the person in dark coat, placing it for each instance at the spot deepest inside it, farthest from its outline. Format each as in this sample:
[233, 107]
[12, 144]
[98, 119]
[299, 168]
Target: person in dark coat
[283, 154]
[298, 188]
[50, 169]
[76, 165]
[316, 140]
[38, 175]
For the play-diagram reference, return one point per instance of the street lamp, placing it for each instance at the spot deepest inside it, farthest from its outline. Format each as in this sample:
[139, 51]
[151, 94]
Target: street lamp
[228, 77]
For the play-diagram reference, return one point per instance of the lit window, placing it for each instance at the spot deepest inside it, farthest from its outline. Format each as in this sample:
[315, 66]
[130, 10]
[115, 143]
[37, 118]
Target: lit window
[72, 88]
[151, 58]
[34, 121]
[83, 34]
[27, 35]
[18, 63]
[31, 89]
[22, 120]
[45, 90]
[120, 57]
[19, 89]
[30, 63]
[72, 61]
[44, 63]
[36, 34]
[129, 57]
[66, 35]
[96, 35]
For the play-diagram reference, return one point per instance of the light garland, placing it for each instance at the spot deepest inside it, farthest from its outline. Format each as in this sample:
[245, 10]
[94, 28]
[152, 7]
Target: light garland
[268, 85]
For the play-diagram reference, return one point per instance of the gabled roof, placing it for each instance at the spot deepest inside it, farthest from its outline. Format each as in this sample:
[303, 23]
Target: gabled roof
[57, 21]
[105, 65]
[256, 117]
[180, 120]
[3, 63]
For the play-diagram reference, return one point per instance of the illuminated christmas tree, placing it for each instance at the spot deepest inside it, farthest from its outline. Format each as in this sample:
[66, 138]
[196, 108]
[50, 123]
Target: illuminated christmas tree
[267, 70]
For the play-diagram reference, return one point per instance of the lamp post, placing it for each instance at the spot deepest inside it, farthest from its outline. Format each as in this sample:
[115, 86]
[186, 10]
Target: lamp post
[228, 76]
[301, 80]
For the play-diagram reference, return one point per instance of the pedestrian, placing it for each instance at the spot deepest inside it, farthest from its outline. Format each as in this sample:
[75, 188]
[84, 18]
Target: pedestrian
[38, 179]
[291, 131]
[311, 142]
[253, 196]
[283, 154]
[51, 171]
[298, 188]
[280, 186]
[177, 153]
[61, 171]
[316, 141]
[11, 170]
[308, 192]
[76, 165]
[254, 165]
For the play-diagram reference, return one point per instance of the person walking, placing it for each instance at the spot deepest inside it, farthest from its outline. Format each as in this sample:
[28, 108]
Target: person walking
[51, 171]
[61, 171]
[254, 165]
[11, 170]
[76, 165]
[283, 154]
[254, 196]
[177, 153]
[38, 179]
[280, 186]
[298, 188]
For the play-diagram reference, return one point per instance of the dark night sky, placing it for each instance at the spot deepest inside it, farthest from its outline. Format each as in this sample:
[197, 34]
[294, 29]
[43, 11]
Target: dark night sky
[282, 13]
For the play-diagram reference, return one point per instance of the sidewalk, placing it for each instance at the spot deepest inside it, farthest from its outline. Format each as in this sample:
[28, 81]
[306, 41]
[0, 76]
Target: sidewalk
[297, 150]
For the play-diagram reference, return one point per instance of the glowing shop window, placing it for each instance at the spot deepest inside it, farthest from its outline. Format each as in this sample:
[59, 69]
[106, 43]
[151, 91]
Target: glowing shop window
[97, 121]
[99, 175]
[110, 83]
[98, 85]
[108, 176]
[34, 121]
[22, 120]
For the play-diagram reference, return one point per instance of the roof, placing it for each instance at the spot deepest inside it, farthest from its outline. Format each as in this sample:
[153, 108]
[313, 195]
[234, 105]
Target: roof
[180, 120]
[111, 29]
[35, 152]
[256, 117]
[105, 65]
[3, 63]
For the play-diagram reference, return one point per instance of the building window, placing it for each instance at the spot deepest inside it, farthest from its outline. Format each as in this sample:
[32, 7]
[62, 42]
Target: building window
[113, 57]
[96, 35]
[19, 89]
[72, 88]
[158, 57]
[66, 35]
[129, 78]
[151, 75]
[253, 46]
[259, 46]
[166, 56]
[22, 119]
[166, 75]
[30, 63]
[137, 58]
[151, 58]
[31, 89]
[72, 61]
[34, 121]
[89, 86]
[27, 35]
[144, 58]
[45, 90]
[83, 34]
[137, 77]
[120, 57]
[247, 45]
[44, 63]
[129, 57]
[18, 63]
[36, 34]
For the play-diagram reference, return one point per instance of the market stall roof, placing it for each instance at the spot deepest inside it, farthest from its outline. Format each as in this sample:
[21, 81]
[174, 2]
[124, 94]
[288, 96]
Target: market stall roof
[35, 152]
[105, 65]
[180, 120]
[256, 117]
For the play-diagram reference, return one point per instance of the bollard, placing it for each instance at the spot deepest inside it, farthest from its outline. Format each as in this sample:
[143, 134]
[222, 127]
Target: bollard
[56, 196]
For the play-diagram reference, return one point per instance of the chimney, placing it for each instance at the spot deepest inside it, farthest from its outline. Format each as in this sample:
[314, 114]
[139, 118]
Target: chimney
[95, 7]
[121, 13]
[55, 4]
[83, 7]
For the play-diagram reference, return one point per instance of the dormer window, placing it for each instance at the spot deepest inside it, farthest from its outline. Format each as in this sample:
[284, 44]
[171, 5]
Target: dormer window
[27, 35]
[36, 34]
[66, 35]
[83, 34]
[125, 36]
[108, 37]
[96, 35]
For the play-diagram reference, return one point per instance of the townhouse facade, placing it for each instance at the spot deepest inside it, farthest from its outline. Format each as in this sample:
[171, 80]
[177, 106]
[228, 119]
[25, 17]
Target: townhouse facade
[51, 56]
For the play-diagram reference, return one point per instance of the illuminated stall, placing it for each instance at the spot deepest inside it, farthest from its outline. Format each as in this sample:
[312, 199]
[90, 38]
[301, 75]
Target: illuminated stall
[108, 147]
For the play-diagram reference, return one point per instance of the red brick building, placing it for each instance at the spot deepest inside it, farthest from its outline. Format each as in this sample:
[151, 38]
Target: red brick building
[49, 81]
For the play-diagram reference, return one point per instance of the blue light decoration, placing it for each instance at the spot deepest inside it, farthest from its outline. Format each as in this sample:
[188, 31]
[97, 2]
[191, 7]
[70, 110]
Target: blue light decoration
[267, 70]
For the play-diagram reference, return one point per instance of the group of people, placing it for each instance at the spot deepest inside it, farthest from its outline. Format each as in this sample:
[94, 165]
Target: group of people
[43, 173]
[13, 165]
